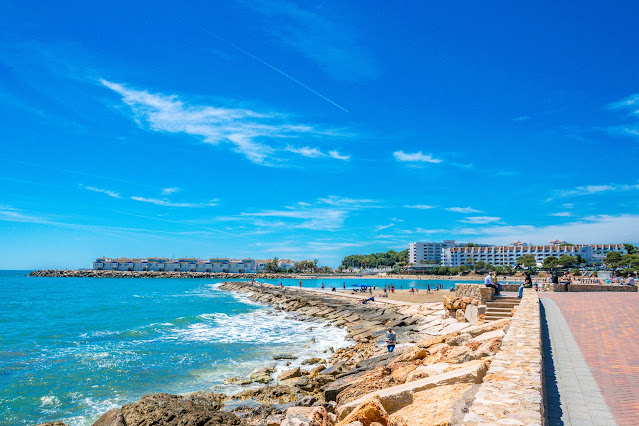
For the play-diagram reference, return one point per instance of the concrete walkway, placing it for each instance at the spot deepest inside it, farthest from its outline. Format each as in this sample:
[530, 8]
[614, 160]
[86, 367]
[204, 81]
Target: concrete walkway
[572, 394]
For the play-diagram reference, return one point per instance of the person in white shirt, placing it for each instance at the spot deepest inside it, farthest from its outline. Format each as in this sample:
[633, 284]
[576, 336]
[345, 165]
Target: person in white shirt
[488, 282]
[631, 280]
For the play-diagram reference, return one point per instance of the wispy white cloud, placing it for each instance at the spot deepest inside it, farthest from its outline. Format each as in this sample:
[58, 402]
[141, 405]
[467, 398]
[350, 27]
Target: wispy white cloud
[307, 151]
[331, 45]
[381, 227]
[419, 206]
[593, 189]
[463, 210]
[166, 203]
[417, 157]
[169, 191]
[325, 214]
[522, 118]
[256, 135]
[561, 214]
[112, 194]
[339, 156]
[631, 106]
[480, 219]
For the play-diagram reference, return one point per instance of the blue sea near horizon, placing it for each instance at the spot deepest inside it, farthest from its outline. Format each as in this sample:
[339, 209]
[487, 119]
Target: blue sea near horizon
[73, 348]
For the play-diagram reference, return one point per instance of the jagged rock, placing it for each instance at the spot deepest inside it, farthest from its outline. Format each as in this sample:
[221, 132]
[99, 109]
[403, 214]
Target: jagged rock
[312, 361]
[442, 405]
[284, 356]
[297, 416]
[290, 374]
[400, 372]
[494, 325]
[458, 354]
[113, 417]
[471, 313]
[432, 341]
[263, 370]
[52, 423]
[176, 410]
[367, 412]
[305, 383]
[489, 336]
[458, 340]
[237, 381]
[263, 378]
[427, 371]
[317, 370]
[306, 401]
[320, 417]
[460, 315]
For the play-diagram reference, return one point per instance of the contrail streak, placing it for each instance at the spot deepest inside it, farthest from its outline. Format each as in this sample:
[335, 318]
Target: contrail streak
[273, 68]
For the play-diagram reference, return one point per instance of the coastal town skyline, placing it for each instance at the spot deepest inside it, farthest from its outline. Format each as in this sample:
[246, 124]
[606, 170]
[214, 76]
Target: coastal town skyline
[261, 129]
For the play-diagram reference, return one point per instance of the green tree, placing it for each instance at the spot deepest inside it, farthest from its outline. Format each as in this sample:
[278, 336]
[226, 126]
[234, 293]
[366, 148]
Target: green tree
[576, 272]
[612, 259]
[550, 262]
[567, 261]
[631, 249]
[271, 266]
[527, 260]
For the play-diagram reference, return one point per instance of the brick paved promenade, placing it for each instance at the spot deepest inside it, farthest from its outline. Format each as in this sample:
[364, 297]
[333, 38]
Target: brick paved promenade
[606, 329]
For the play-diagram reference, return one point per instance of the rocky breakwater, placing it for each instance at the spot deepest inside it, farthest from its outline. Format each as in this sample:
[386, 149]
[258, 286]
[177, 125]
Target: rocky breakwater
[431, 377]
[90, 273]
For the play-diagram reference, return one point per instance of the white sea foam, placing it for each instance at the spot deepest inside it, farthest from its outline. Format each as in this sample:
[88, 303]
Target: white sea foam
[49, 401]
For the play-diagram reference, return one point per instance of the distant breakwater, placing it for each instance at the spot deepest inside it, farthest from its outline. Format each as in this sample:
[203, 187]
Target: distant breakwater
[90, 273]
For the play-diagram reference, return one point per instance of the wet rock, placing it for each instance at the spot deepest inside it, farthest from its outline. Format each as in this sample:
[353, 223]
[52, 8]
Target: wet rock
[306, 383]
[284, 356]
[312, 361]
[165, 409]
[306, 401]
[263, 378]
[290, 374]
[51, 423]
[237, 381]
[112, 417]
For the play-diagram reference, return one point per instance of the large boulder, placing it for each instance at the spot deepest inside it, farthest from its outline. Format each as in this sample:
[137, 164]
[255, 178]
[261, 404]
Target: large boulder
[297, 416]
[290, 374]
[165, 409]
[427, 371]
[367, 412]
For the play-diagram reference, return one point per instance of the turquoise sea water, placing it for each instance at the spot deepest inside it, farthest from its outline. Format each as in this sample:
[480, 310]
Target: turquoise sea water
[72, 348]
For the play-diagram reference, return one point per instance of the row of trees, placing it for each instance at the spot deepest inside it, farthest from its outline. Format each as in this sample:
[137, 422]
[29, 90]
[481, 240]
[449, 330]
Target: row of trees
[304, 266]
[391, 258]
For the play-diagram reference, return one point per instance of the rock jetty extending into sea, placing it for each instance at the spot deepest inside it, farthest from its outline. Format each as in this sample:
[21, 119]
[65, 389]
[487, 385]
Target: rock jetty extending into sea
[441, 372]
[92, 273]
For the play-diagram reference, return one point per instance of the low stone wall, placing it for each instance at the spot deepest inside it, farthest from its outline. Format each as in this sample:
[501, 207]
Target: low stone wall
[475, 291]
[510, 287]
[588, 287]
[512, 391]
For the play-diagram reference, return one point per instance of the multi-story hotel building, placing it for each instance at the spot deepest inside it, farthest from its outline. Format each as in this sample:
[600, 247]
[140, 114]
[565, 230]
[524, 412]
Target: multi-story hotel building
[176, 265]
[508, 255]
[430, 252]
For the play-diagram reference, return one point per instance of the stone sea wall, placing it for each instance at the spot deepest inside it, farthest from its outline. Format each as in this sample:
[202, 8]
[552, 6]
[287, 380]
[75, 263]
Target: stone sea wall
[90, 273]
[512, 390]
[588, 287]
[475, 291]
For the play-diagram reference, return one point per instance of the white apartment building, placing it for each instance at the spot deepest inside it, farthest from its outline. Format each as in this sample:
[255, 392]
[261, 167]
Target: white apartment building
[430, 252]
[508, 255]
[177, 265]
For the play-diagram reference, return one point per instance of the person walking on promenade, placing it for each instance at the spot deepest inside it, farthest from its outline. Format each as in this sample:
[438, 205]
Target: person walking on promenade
[391, 339]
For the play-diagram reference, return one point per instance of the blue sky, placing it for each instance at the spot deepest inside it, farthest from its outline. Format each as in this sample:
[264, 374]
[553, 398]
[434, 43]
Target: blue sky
[314, 129]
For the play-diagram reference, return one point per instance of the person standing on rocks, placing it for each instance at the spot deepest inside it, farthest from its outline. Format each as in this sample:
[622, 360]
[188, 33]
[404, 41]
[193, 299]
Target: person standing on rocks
[391, 339]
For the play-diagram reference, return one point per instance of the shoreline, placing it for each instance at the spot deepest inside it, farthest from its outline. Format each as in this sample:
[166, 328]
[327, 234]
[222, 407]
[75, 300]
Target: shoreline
[430, 343]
